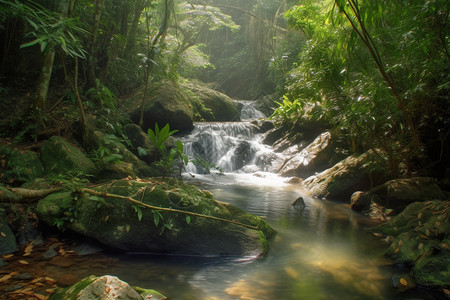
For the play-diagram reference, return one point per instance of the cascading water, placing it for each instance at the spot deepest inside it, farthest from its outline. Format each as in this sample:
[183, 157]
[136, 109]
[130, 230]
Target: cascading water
[231, 146]
[321, 251]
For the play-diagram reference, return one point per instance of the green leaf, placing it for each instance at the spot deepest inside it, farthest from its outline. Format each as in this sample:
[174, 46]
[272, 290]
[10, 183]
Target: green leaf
[188, 219]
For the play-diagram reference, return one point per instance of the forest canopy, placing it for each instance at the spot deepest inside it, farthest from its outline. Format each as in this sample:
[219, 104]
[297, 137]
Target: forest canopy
[376, 72]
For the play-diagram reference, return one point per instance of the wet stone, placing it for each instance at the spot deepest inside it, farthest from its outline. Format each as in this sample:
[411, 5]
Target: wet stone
[49, 253]
[22, 276]
[13, 287]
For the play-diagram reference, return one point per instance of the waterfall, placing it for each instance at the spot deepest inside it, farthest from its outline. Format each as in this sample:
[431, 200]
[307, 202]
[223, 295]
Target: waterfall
[231, 146]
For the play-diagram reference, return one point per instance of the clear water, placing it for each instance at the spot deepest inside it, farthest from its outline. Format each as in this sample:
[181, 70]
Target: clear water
[320, 252]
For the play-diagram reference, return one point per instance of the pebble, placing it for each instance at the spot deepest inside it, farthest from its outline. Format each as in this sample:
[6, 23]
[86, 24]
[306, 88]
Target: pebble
[22, 276]
[13, 288]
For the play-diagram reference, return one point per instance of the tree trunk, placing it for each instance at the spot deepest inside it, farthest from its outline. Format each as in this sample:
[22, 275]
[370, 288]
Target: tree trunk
[65, 7]
[44, 77]
[129, 46]
[92, 58]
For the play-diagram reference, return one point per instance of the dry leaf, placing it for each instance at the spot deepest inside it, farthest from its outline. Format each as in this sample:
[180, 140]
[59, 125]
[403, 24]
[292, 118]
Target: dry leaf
[50, 291]
[28, 249]
[2, 234]
[438, 223]
[403, 282]
[61, 252]
[127, 228]
[39, 279]
[428, 202]
[41, 297]
[23, 262]
[7, 256]
[423, 236]
[396, 250]
[49, 280]
[106, 218]
[5, 278]
[447, 292]
[445, 246]
[419, 216]
[420, 247]
[400, 243]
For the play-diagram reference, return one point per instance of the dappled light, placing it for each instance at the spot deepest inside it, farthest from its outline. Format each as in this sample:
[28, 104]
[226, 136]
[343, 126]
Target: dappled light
[224, 149]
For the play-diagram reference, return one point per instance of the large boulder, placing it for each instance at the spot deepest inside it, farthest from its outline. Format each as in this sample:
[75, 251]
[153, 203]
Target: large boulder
[396, 194]
[212, 228]
[104, 287]
[169, 104]
[340, 181]
[419, 238]
[215, 106]
[59, 156]
[315, 157]
[8, 242]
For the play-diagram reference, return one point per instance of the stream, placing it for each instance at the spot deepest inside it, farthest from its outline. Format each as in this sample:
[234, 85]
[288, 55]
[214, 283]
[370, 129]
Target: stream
[320, 251]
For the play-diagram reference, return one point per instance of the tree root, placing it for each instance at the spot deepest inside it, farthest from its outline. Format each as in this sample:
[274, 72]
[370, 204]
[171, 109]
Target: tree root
[25, 195]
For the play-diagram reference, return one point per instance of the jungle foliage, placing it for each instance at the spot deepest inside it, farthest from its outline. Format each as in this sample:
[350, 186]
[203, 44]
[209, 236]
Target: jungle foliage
[377, 72]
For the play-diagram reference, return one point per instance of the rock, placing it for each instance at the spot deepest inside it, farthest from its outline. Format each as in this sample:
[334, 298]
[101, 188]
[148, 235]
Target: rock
[360, 201]
[104, 287]
[170, 104]
[23, 166]
[299, 202]
[60, 156]
[128, 166]
[273, 135]
[419, 236]
[264, 125]
[433, 271]
[22, 276]
[315, 157]
[137, 137]
[399, 193]
[141, 141]
[66, 280]
[120, 224]
[215, 106]
[8, 242]
[341, 180]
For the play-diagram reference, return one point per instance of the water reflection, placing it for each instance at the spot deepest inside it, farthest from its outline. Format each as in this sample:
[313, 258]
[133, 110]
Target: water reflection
[320, 252]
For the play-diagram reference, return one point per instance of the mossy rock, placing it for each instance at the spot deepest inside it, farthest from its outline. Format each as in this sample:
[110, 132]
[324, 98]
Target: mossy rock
[124, 225]
[169, 103]
[104, 287]
[214, 106]
[59, 156]
[8, 242]
[24, 166]
[433, 271]
[419, 236]
[340, 181]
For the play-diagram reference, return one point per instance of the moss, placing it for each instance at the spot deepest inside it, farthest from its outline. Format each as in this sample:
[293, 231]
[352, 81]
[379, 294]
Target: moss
[61, 157]
[433, 271]
[152, 294]
[72, 291]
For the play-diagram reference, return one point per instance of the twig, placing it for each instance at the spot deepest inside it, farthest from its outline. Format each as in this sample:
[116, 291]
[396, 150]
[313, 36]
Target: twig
[108, 195]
